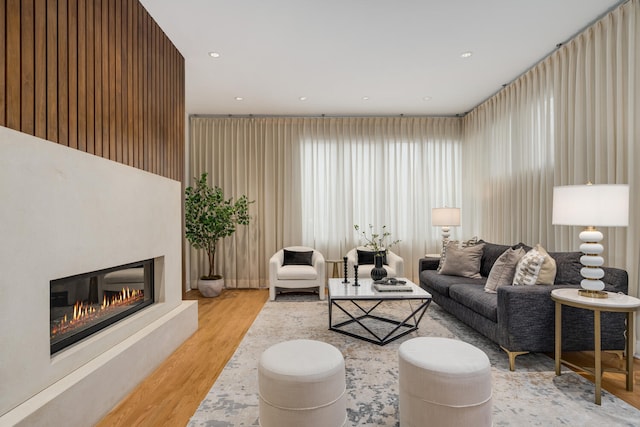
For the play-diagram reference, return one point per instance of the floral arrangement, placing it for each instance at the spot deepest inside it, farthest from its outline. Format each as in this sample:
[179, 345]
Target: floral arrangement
[376, 241]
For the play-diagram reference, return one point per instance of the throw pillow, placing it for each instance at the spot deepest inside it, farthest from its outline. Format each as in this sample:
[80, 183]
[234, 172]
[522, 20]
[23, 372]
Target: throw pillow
[471, 242]
[464, 244]
[366, 257]
[528, 268]
[503, 269]
[443, 256]
[547, 275]
[463, 262]
[297, 258]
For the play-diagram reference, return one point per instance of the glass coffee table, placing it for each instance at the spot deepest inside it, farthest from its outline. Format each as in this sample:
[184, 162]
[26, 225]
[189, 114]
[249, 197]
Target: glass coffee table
[365, 314]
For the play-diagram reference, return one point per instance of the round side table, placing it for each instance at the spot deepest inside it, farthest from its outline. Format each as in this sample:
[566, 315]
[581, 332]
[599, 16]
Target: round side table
[335, 262]
[615, 303]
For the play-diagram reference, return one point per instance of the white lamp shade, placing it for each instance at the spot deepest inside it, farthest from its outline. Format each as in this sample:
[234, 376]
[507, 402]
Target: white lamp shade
[591, 205]
[445, 217]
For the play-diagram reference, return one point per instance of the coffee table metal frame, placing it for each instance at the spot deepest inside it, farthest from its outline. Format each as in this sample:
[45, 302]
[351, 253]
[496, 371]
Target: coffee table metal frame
[344, 296]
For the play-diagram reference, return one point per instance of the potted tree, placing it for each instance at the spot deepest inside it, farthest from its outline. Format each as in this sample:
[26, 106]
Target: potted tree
[210, 217]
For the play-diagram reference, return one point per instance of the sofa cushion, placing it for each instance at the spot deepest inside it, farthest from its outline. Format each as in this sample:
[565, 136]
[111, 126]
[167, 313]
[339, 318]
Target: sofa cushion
[528, 268]
[547, 273]
[442, 282]
[474, 297]
[567, 267]
[504, 269]
[463, 262]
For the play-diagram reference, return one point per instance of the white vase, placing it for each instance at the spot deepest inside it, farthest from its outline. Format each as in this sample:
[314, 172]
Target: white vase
[210, 288]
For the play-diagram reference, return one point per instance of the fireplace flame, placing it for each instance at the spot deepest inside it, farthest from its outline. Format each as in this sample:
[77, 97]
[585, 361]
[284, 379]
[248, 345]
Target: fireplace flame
[85, 313]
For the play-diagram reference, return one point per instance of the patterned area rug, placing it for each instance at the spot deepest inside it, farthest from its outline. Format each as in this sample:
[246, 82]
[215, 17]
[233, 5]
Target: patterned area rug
[532, 395]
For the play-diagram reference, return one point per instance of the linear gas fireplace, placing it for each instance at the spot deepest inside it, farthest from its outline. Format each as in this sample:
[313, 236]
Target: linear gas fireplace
[84, 304]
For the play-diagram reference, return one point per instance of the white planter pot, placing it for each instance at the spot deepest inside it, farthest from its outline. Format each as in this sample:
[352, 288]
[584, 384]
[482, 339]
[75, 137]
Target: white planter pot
[210, 288]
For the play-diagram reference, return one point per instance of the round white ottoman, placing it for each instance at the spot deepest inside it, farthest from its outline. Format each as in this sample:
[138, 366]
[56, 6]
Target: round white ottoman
[302, 383]
[443, 382]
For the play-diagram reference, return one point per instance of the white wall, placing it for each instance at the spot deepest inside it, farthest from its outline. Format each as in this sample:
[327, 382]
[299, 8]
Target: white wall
[66, 212]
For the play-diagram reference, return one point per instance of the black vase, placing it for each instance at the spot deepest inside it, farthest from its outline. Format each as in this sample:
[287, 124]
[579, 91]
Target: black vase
[378, 272]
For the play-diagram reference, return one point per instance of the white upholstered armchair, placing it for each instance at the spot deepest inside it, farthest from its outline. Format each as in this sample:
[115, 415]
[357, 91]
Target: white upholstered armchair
[394, 266]
[300, 267]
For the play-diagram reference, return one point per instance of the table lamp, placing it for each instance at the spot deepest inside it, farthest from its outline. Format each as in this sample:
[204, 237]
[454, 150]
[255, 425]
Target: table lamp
[591, 205]
[445, 218]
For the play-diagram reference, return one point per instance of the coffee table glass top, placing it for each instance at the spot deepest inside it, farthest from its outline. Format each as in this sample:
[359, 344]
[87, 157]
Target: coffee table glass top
[339, 290]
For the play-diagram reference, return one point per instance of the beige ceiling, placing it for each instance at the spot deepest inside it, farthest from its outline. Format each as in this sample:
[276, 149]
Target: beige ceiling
[335, 52]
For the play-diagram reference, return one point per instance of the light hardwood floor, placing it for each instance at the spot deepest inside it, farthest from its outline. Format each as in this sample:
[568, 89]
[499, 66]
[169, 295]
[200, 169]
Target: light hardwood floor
[172, 393]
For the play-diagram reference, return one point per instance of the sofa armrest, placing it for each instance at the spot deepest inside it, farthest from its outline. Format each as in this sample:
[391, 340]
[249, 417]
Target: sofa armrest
[526, 317]
[428, 263]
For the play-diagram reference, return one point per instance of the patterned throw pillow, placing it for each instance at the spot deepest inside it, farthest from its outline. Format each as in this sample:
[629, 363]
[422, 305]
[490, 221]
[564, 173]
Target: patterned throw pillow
[528, 268]
[547, 275]
[504, 269]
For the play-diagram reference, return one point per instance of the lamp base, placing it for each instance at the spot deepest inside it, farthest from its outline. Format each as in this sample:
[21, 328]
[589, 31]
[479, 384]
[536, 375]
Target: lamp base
[592, 294]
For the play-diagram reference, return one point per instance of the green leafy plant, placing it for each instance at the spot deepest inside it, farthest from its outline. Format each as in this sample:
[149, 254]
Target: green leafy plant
[210, 217]
[376, 241]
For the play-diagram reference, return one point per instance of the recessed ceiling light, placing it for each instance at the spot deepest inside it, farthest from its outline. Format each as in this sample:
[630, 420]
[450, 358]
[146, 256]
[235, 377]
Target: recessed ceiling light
[426, 98]
[365, 98]
[303, 98]
[239, 98]
[466, 54]
[214, 54]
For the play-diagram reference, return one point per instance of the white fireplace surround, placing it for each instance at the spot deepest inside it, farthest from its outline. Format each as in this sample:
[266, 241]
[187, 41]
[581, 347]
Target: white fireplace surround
[66, 212]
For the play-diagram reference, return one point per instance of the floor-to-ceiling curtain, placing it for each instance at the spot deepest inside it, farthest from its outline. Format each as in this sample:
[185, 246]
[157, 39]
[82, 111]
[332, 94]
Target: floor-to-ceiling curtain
[258, 158]
[379, 171]
[312, 179]
[571, 119]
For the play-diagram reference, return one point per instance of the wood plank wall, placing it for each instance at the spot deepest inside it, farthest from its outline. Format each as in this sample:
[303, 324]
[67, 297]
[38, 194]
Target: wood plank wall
[96, 75]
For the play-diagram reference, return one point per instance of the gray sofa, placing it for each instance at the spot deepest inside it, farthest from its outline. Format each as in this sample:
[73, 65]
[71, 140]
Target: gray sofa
[521, 319]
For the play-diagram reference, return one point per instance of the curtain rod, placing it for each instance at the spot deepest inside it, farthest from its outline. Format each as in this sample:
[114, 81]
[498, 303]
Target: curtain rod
[324, 116]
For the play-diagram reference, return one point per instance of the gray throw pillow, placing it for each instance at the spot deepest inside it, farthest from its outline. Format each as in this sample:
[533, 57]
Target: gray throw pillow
[503, 269]
[463, 262]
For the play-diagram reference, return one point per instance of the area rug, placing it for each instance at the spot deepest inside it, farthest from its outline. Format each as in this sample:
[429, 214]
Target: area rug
[531, 396]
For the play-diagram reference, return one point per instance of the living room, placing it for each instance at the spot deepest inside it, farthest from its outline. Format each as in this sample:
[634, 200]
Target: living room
[569, 119]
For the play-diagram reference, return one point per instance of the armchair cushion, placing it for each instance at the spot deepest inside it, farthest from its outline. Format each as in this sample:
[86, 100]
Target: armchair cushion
[297, 257]
[297, 272]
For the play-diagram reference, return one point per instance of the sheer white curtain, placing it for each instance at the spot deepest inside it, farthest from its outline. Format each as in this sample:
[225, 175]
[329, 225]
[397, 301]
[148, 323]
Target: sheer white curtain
[378, 171]
[571, 119]
[314, 178]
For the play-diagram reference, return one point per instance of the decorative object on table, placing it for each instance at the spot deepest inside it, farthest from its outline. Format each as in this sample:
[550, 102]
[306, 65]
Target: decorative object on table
[378, 243]
[445, 217]
[210, 217]
[355, 275]
[391, 285]
[378, 272]
[344, 261]
[590, 206]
